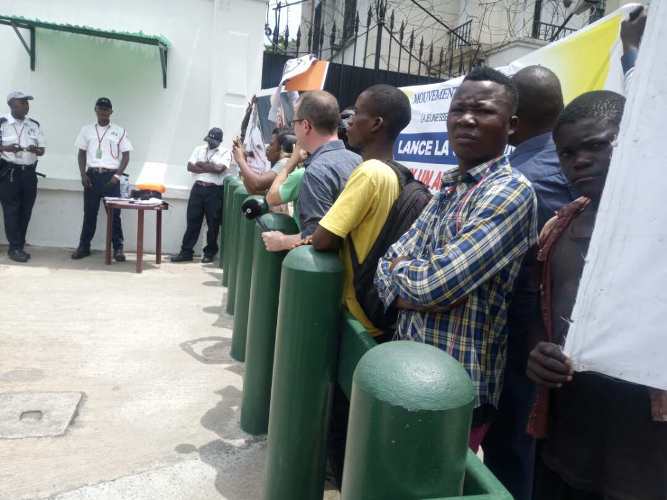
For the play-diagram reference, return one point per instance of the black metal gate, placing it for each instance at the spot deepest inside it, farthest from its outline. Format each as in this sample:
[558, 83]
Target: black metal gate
[344, 81]
[413, 61]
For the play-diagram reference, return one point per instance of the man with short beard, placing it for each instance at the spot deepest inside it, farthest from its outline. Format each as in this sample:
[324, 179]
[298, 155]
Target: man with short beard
[328, 165]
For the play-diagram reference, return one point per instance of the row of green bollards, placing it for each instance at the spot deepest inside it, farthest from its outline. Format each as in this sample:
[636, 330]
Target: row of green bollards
[253, 279]
[238, 195]
[411, 404]
[245, 247]
[229, 185]
[262, 316]
[304, 368]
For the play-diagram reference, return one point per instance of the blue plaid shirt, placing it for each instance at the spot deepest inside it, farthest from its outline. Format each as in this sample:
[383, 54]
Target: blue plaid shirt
[462, 256]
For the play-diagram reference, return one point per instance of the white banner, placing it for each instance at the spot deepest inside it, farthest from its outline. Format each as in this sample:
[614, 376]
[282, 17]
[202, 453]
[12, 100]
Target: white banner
[586, 60]
[618, 319]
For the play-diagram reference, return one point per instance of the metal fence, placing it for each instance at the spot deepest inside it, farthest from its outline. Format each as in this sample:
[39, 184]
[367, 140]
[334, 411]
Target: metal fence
[376, 46]
[550, 32]
[376, 38]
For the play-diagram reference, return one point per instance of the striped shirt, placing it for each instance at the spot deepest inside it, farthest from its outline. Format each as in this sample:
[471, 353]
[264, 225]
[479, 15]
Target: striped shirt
[462, 256]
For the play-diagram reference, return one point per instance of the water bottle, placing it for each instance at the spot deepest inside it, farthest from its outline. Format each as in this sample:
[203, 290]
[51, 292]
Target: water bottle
[124, 186]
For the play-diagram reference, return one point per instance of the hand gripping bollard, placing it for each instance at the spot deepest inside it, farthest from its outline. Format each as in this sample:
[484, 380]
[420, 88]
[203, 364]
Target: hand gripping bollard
[409, 423]
[227, 225]
[239, 194]
[307, 334]
[243, 271]
[262, 315]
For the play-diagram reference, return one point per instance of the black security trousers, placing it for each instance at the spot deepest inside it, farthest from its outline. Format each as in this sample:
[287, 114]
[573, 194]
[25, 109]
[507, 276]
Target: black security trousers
[205, 201]
[18, 191]
[101, 187]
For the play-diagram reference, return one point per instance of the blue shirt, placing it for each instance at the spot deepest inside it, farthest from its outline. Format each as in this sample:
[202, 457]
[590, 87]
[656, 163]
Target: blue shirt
[327, 170]
[537, 160]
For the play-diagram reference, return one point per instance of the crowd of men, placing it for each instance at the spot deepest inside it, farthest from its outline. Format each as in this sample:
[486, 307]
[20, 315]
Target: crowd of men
[488, 271]
[103, 154]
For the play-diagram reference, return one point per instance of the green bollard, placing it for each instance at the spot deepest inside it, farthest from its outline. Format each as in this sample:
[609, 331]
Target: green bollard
[227, 226]
[225, 188]
[239, 194]
[262, 315]
[242, 291]
[409, 423]
[309, 313]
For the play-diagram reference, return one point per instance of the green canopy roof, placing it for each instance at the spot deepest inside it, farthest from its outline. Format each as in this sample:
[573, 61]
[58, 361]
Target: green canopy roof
[17, 22]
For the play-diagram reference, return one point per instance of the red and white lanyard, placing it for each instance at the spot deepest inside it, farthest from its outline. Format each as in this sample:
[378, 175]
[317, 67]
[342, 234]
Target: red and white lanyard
[100, 139]
[118, 148]
[18, 134]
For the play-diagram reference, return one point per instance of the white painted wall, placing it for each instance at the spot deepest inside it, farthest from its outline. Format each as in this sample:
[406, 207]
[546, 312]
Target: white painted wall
[512, 51]
[215, 62]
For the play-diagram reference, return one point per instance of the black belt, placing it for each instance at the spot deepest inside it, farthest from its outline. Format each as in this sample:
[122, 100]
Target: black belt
[7, 167]
[206, 184]
[101, 170]
[16, 165]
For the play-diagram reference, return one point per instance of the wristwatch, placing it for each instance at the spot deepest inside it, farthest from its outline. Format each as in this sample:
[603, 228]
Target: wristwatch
[116, 176]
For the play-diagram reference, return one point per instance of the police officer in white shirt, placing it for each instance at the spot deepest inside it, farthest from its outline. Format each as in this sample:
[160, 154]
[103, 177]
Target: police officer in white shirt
[21, 142]
[104, 152]
[209, 164]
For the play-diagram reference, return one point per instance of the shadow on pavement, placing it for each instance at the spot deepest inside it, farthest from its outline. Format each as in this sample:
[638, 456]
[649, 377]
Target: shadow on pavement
[209, 350]
[237, 457]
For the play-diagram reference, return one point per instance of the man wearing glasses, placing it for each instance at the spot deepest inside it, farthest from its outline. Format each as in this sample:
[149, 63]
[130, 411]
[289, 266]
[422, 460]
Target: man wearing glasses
[327, 168]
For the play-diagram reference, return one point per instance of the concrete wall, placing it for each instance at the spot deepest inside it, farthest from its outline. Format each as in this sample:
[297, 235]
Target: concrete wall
[214, 66]
[512, 51]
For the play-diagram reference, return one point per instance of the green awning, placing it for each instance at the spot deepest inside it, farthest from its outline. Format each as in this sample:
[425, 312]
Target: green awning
[17, 22]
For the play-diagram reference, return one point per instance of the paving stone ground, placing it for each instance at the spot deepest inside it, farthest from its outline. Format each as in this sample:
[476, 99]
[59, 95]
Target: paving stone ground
[150, 353]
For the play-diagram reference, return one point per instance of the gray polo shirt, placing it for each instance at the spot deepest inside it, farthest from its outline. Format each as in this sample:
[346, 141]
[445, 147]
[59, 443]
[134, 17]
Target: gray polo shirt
[327, 170]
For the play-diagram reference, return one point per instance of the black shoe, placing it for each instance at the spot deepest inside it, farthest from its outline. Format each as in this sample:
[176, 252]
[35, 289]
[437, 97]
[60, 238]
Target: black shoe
[18, 255]
[80, 253]
[181, 258]
[207, 259]
[119, 256]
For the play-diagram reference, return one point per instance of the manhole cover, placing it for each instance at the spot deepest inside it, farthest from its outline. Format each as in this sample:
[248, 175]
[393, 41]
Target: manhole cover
[36, 414]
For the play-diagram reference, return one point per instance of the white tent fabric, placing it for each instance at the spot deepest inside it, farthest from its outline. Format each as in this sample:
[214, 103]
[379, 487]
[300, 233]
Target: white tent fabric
[619, 320]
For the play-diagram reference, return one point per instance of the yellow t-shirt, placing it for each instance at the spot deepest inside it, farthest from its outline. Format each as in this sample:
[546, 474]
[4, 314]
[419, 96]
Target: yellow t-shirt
[360, 212]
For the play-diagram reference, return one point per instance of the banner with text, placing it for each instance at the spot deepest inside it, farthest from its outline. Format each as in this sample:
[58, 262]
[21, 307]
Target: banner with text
[586, 60]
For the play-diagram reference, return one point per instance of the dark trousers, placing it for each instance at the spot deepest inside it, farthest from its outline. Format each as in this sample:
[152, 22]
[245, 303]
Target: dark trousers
[509, 451]
[18, 191]
[550, 486]
[337, 437]
[205, 201]
[101, 187]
